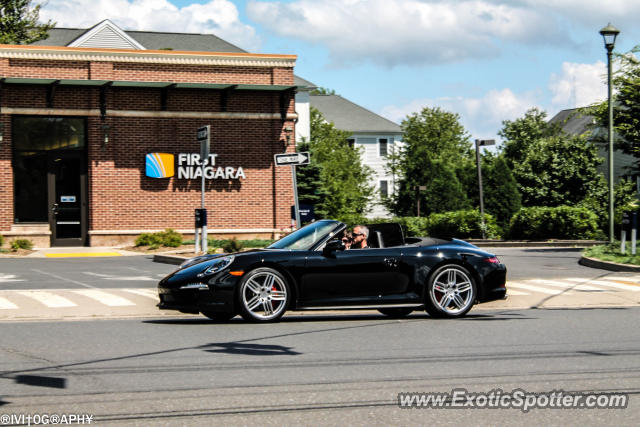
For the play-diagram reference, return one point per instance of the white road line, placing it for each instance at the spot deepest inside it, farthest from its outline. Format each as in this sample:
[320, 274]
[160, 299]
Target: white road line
[511, 292]
[559, 284]
[609, 284]
[535, 288]
[123, 278]
[150, 293]
[48, 299]
[9, 278]
[103, 297]
[62, 278]
[5, 304]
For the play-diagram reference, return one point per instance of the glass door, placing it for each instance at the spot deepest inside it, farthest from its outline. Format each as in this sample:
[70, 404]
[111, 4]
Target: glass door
[66, 181]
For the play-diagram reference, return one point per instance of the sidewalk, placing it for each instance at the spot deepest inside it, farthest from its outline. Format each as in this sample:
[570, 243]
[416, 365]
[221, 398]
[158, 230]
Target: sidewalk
[79, 251]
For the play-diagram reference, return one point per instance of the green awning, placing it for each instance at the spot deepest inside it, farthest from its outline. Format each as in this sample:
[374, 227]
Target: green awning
[141, 84]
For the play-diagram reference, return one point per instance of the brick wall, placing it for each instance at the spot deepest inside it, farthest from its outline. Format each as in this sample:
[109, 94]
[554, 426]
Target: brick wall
[121, 197]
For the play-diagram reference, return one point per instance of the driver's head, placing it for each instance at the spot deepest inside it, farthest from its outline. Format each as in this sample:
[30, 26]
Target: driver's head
[360, 232]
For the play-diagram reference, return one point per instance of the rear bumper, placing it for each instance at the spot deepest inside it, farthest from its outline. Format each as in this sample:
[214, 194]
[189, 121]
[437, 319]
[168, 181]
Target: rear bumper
[494, 285]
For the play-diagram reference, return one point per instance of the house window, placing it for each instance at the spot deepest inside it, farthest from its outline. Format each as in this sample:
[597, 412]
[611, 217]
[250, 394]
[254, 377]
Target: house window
[384, 189]
[351, 142]
[382, 144]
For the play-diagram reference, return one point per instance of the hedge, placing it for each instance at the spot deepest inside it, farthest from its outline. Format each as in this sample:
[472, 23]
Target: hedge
[462, 224]
[562, 222]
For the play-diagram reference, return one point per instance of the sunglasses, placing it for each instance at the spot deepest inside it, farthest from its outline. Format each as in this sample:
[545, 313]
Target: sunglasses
[356, 234]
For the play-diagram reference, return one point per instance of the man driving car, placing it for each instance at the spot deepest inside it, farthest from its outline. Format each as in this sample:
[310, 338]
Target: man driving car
[358, 238]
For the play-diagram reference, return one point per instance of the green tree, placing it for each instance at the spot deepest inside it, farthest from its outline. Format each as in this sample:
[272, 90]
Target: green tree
[340, 186]
[436, 153]
[501, 196]
[558, 170]
[626, 115]
[519, 134]
[310, 188]
[19, 22]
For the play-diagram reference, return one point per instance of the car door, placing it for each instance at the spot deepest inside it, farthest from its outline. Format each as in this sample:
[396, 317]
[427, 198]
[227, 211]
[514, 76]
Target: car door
[351, 277]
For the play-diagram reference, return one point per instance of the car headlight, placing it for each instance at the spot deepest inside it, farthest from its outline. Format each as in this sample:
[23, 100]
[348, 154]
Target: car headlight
[218, 264]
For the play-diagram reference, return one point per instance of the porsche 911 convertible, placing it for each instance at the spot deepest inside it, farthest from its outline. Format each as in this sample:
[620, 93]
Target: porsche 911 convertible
[310, 269]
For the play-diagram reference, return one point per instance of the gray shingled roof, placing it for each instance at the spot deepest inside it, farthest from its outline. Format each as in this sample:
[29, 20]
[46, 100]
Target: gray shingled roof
[351, 117]
[572, 121]
[151, 40]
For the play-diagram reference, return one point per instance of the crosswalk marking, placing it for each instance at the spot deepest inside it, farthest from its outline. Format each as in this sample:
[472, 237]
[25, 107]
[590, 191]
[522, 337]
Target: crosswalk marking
[607, 283]
[516, 293]
[5, 304]
[539, 289]
[48, 299]
[564, 285]
[150, 293]
[9, 278]
[103, 297]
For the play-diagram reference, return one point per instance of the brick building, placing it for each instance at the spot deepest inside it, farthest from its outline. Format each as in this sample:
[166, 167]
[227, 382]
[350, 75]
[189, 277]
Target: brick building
[80, 128]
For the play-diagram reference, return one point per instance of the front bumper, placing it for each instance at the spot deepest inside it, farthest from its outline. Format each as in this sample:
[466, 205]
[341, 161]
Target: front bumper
[196, 300]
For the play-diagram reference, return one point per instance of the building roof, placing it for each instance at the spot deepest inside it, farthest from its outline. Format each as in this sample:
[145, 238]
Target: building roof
[351, 117]
[573, 122]
[150, 40]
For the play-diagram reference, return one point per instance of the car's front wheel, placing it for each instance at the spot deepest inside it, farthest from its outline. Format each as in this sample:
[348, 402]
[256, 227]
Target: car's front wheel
[451, 292]
[264, 295]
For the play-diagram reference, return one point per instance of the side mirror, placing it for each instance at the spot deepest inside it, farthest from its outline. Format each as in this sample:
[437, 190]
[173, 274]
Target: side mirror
[332, 246]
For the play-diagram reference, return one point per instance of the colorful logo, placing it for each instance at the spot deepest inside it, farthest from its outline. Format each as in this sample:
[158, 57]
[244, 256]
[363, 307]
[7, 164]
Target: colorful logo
[159, 165]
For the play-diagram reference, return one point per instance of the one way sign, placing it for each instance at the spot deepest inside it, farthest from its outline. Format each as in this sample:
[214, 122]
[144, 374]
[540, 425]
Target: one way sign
[292, 159]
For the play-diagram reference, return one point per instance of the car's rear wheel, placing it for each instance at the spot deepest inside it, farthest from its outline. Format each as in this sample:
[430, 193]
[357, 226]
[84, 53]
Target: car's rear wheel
[396, 312]
[264, 295]
[451, 292]
[220, 317]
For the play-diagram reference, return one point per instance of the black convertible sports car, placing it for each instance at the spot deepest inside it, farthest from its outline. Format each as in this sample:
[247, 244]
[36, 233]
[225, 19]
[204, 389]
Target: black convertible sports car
[310, 269]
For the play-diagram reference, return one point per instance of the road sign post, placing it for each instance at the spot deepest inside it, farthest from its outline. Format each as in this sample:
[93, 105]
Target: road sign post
[293, 159]
[204, 138]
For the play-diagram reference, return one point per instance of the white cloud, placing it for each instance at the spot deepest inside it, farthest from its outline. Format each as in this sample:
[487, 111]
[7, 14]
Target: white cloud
[219, 17]
[482, 117]
[578, 85]
[408, 31]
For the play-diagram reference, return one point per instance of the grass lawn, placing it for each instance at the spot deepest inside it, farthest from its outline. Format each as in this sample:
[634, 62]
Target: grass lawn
[612, 253]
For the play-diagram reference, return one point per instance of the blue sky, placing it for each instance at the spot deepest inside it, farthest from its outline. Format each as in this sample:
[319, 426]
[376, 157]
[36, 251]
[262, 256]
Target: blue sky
[486, 60]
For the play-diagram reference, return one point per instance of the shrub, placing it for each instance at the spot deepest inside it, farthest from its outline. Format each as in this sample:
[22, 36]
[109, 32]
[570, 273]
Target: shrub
[22, 244]
[233, 245]
[462, 224]
[562, 222]
[1, 240]
[148, 239]
[169, 238]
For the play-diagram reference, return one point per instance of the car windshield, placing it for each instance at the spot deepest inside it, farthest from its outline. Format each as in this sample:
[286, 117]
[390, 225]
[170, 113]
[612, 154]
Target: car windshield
[306, 237]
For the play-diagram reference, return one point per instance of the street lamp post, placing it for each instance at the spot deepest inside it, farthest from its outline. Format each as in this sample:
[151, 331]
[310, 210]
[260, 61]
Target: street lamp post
[609, 34]
[479, 143]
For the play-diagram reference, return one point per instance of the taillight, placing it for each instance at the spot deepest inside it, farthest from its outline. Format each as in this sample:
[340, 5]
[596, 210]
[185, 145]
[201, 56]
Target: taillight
[492, 260]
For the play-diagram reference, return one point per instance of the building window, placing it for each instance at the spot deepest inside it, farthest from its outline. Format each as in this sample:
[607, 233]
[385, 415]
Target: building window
[384, 189]
[382, 144]
[351, 142]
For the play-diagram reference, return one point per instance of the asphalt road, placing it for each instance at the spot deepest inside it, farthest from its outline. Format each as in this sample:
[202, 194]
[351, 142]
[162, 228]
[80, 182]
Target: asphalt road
[140, 271]
[333, 370]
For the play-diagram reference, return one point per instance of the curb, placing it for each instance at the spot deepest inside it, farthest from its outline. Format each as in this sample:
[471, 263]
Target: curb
[607, 265]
